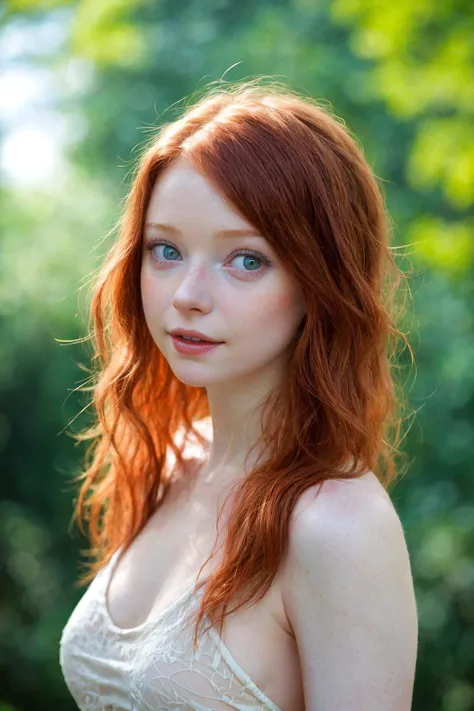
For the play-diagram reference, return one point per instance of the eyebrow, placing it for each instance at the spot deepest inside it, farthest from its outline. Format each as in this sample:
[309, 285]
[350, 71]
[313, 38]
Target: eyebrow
[240, 232]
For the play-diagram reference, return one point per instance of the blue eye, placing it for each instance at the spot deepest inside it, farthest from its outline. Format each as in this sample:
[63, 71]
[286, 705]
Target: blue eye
[247, 253]
[252, 257]
[168, 246]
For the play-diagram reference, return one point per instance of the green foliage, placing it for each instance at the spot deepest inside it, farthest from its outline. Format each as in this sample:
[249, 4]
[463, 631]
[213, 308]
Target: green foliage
[103, 34]
[18, 6]
[422, 65]
[447, 246]
[443, 152]
[400, 74]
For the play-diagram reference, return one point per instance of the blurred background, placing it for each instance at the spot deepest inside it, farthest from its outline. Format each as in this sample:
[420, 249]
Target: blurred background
[81, 85]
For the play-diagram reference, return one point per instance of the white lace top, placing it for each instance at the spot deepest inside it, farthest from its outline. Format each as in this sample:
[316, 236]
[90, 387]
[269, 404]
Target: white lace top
[151, 667]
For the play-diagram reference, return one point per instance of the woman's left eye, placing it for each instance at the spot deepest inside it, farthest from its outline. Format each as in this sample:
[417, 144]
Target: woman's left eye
[249, 256]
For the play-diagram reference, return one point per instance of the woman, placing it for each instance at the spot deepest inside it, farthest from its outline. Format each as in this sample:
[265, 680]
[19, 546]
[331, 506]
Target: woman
[255, 227]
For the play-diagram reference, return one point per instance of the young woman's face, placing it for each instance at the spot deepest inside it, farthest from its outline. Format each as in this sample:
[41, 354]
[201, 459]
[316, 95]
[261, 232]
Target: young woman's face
[194, 278]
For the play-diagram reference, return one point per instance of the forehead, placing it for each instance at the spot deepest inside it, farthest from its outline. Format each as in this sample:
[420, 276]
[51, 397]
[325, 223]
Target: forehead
[182, 193]
[181, 173]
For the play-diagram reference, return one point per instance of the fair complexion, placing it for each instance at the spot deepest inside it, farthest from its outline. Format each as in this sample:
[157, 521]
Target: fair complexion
[196, 277]
[346, 582]
[349, 597]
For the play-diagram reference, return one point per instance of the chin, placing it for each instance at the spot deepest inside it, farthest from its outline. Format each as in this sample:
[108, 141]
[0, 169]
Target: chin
[195, 380]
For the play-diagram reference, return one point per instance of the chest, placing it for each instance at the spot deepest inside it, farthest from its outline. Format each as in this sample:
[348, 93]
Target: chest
[160, 568]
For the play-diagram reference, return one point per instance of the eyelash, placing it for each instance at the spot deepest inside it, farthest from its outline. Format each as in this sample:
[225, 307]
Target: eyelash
[240, 252]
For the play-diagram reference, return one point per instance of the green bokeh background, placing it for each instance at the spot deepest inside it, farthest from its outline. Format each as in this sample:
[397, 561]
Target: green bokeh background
[104, 72]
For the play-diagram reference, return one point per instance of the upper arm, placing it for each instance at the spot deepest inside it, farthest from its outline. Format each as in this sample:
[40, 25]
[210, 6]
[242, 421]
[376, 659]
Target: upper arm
[349, 597]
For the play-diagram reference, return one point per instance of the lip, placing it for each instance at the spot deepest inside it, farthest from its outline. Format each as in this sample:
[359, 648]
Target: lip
[192, 334]
[192, 348]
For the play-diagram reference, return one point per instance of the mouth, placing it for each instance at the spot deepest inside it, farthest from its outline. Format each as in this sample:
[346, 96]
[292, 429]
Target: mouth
[191, 347]
[193, 337]
[188, 339]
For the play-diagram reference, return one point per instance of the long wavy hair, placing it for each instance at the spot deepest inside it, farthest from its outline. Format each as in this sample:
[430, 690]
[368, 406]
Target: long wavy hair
[295, 172]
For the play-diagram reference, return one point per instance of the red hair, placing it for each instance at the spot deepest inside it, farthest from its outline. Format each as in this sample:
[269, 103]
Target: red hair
[293, 170]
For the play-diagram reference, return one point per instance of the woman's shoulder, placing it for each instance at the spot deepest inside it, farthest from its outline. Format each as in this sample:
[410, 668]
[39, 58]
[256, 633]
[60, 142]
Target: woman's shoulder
[345, 530]
[338, 500]
[347, 577]
[343, 519]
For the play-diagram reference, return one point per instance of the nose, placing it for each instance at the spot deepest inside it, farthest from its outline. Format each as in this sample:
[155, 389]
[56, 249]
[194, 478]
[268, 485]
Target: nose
[193, 289]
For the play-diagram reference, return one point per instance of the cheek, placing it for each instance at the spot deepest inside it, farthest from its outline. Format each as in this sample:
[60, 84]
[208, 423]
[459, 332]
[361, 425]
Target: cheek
[151, 303]
[148, 291]
[279, 311]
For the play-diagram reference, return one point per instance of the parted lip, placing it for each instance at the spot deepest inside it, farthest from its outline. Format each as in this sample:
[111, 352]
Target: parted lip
[192, 334]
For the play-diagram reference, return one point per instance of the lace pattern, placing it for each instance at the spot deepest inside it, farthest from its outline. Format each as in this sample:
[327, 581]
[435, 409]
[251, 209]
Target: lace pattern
[151, 667]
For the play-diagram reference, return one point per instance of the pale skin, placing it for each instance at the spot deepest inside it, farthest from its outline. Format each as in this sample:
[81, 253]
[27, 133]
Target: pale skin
[345, 585]
[349, 596]
[202, 287]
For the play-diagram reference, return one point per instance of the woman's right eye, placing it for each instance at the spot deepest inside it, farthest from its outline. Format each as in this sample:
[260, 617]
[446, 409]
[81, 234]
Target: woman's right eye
[152, 245]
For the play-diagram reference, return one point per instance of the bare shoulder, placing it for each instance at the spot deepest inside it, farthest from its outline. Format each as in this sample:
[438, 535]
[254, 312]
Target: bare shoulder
[349, 598]
[341, 503]
[345, 517]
